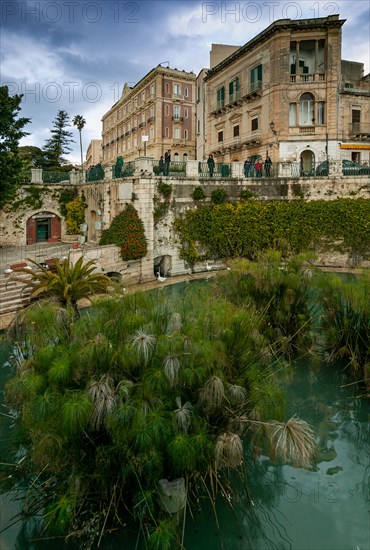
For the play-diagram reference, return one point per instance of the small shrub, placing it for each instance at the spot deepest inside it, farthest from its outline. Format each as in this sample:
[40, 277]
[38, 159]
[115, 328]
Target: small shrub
[198, 194]
[246, 194]
[218, 196]
[165, 189]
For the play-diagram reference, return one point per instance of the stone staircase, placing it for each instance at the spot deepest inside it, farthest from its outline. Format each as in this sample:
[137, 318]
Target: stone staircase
[14, 294]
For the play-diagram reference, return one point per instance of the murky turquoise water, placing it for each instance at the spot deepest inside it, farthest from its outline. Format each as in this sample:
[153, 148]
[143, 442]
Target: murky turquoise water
[323, 509]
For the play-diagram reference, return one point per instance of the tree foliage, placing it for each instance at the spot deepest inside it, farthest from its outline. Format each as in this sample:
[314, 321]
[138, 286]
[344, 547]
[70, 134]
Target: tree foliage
[248, 228]
[11, 131]
[75, 215]
[32, 154]
[58, 144]
[127, 232]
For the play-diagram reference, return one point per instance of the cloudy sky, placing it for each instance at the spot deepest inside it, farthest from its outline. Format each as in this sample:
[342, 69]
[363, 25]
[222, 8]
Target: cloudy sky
[76, 55]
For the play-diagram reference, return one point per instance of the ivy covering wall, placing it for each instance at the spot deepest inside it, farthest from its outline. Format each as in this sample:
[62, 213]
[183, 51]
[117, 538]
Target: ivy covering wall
[244, 229]
[127, 232]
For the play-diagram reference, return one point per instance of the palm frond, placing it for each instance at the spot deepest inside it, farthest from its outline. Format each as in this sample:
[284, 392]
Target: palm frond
[104, 398]
[294, 441]
[171, 367]
[228, 450]
[144, 343]
[212, 393]
[183, 415]
[237, 394]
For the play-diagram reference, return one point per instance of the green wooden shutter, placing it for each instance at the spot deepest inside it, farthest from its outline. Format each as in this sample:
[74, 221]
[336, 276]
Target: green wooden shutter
[259, 73]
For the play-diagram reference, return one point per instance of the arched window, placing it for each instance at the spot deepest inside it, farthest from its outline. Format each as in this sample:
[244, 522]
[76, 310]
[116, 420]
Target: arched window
[185, 157]
[306, 110]
[176, 157]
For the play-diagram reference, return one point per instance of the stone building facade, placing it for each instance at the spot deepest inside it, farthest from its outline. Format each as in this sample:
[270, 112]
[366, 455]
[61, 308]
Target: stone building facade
[161, 106]
[93, 153]
[288, 94]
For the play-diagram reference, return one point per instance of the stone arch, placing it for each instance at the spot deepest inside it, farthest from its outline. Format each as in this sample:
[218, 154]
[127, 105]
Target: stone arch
[162, 265]
[115, 276]
[307, 161]
[43, 226]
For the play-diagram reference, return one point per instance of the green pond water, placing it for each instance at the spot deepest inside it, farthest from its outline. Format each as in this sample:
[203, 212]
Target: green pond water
[326, 508]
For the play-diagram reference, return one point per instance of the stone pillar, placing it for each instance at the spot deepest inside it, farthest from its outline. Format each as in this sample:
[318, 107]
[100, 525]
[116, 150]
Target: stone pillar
[144, 165]
[74, 177]
[36, 175]
[335, 168]
[283, 169]
[108, 172]
[237, 170]
[192, 168]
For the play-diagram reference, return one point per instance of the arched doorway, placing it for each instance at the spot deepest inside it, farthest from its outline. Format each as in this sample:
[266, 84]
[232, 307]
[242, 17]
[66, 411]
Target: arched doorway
[43, 227]
[307, 159]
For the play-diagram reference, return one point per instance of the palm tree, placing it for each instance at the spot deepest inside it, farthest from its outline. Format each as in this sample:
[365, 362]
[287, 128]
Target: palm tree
[80, 122]
[69, 284]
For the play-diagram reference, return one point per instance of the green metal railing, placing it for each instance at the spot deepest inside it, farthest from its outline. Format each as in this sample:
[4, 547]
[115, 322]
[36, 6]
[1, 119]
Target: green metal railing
[95, 173]
[220, 170]
[54, 176]
[123, 170]
[175, 168]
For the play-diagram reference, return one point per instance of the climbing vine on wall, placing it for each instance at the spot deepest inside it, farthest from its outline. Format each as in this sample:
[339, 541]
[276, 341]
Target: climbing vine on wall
[65, 196]
[127, 232]
[244, 229]
[161, 206]
[32, 198]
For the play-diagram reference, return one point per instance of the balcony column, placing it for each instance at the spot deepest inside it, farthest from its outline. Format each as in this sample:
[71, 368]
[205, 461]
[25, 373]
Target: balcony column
[316, 56]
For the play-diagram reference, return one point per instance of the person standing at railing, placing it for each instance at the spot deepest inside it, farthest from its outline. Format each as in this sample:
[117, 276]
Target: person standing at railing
[258, 168]
[248, 170]
[167, 160]
[161, 165]
[268, 163]
[211, 165]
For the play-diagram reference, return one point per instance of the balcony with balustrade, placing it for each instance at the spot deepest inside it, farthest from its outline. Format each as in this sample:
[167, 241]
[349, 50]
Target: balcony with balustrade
[300, 78]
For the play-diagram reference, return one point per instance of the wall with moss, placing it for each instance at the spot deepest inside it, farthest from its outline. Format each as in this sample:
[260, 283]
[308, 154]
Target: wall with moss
[32, 199]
